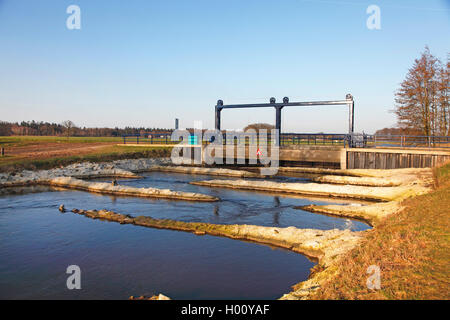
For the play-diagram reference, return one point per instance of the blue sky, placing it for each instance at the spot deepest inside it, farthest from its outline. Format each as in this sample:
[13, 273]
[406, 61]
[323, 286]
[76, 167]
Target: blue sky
[144, 63]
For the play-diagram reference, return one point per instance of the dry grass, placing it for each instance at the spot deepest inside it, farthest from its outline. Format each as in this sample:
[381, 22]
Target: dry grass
[412, 249]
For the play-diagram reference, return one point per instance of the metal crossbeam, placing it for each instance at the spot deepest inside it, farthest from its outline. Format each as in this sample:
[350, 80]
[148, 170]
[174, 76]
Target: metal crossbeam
[279, 106]
[290, 104]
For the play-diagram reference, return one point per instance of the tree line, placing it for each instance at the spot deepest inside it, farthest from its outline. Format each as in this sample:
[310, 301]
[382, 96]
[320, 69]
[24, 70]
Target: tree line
[68, 128]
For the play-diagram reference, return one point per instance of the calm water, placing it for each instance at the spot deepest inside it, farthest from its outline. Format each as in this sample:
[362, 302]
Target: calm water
[37, 243]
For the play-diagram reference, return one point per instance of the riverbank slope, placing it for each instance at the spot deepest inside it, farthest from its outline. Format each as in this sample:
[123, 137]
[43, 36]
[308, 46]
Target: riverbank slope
[411, 248]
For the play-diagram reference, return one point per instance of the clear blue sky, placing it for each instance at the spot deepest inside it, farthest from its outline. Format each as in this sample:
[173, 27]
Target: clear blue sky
[144, 63]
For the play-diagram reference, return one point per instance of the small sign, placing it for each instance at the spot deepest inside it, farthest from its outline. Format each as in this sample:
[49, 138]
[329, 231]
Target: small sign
[259, 153]
[192, 139]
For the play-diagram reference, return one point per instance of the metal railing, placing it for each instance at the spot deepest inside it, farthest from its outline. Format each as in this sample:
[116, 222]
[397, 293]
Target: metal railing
[148, 138]
[286, 139]
[324, 139]
[314, 139]
[407, 141]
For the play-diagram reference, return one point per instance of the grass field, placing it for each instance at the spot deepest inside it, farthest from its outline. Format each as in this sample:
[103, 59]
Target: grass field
[15, 141]
[412, 249]
[37, 152]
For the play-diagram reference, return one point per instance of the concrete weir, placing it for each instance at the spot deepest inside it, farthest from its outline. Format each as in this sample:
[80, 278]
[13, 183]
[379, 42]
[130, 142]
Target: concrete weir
[339, 157]
[370, 214]
[204, 171]
[327, 171]
[358, 181]
[108, 188]
[313, 189]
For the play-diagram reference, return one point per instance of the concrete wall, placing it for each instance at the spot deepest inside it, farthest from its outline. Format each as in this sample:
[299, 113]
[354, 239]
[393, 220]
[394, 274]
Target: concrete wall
[292, 154]
[339, 157]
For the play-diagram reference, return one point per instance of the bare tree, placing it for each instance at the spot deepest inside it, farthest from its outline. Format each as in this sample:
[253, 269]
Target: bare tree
[422, 99]
[259, 126]
[68, 125]
[442, 99]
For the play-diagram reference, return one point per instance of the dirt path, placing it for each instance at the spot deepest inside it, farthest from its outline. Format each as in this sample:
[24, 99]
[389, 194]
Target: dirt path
[42, 150]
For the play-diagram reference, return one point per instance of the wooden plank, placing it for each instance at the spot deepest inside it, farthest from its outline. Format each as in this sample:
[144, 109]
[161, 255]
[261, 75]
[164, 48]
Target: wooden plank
[384, 161]
[405, 163]
[372, 160]
[357, 160]
[350, 164]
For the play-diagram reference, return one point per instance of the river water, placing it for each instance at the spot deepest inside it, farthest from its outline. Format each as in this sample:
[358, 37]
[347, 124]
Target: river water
[38, 243]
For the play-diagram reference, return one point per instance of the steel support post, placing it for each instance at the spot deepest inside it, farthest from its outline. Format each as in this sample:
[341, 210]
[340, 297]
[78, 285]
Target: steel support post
[351, 117]
[218, 110]
[278, 123]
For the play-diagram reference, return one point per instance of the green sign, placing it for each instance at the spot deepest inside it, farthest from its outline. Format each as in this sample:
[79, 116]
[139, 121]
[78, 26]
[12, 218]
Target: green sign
[192, 139]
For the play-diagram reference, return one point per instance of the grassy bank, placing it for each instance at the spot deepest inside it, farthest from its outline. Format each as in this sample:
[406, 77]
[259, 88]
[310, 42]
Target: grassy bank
[106, 153]
[412, 249]
[17, 141]
[46, 152]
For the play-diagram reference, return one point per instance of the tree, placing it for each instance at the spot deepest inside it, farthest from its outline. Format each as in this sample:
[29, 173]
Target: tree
[422, 99]
[442, 99]
[259, 126]
[68, 125]
[5, 128]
